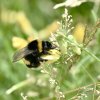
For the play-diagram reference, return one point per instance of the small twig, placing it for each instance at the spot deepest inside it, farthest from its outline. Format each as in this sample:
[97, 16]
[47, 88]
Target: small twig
[80, 88]
[85, 34]
[91, 54]
[89, 75]
[91, 37]
[94, 91]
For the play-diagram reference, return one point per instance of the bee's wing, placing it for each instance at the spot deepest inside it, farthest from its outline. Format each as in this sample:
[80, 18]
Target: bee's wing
[21, 54]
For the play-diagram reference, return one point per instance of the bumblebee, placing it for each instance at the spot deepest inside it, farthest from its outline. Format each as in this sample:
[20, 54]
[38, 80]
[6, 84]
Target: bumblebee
[37, 52]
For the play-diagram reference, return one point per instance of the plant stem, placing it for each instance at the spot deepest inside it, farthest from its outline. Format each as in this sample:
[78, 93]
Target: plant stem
[19, 85]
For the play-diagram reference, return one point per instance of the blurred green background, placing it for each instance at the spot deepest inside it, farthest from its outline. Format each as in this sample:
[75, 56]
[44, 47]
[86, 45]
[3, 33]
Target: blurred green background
[40, 13]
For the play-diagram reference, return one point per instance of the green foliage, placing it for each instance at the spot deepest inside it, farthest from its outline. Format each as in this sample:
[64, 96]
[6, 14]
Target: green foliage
[73, 77]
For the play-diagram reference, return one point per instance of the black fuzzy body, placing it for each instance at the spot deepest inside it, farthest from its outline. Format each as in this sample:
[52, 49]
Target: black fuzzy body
[34, 58]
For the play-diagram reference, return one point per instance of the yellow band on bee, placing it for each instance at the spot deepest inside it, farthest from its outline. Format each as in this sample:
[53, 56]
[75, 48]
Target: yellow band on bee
[40, 45]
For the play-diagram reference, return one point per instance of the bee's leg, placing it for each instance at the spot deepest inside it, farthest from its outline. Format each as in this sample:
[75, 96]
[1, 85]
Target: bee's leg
[41, 59]
[45, 52]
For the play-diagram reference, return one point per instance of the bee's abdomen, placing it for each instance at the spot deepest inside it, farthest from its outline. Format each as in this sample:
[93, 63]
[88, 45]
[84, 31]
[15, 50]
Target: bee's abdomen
[33, 61]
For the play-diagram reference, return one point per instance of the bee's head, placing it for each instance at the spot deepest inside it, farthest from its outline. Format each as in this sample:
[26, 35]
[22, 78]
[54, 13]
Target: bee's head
[47, 45]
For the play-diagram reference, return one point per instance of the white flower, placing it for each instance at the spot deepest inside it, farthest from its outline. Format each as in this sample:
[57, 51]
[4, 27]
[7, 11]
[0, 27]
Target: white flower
[69, 3]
